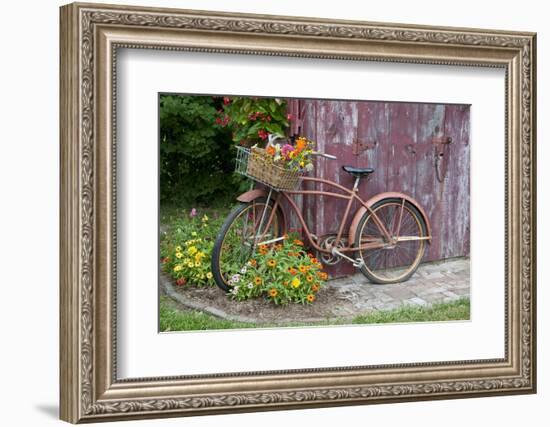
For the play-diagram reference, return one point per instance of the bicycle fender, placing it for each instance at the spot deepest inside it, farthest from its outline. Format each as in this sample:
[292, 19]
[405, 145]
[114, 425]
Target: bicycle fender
[388, 195]
[258, 193]
[252, 195]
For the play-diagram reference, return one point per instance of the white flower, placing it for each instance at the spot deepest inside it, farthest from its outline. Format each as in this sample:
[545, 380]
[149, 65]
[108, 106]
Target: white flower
[235, 278]
[243, 270]
[309, 167]
[250, 285]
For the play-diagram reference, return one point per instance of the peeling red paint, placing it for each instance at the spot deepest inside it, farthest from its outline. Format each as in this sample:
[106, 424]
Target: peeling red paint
[397, 140]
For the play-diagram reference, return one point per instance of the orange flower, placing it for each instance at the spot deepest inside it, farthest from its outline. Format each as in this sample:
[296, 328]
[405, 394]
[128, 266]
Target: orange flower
[315, 287]
[273, 292]
[322, 275]
[253, 262]
[270, 150]
[292, 271]
[309, 278]
[302, 269]
[311, 297]
[271, 263]
[314, 260]
[298, 242]
[263, 249]
[300, 144]
[278, 246]
[257, 281]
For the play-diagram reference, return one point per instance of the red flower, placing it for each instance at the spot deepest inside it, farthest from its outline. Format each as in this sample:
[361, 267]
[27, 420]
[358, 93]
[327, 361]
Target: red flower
[181, 281]
[226, 100]
[262, 134]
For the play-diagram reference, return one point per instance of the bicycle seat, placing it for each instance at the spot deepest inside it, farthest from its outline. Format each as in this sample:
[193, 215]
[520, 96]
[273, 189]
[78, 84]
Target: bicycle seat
[358, 172]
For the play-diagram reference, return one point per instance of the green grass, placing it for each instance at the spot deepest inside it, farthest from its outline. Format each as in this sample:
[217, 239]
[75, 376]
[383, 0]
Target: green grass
[172, 319]
[456, 310]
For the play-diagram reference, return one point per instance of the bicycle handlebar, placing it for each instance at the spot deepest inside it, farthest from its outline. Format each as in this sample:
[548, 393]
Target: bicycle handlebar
[325, 155]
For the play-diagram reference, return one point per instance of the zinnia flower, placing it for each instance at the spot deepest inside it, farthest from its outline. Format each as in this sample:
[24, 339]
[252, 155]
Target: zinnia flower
[315, 287]
[286, 150]
[309, 278]
[302, 269]
[311, 297]
[181, 281]
[298, 242]
[258, 280]
[209, 275]
[271, 263]
[295, 282]
[273, 292]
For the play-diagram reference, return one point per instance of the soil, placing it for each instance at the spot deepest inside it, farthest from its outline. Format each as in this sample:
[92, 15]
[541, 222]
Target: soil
[213, 300]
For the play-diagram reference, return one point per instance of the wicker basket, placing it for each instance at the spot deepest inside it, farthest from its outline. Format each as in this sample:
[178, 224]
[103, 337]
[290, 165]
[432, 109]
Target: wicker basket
[261, 168]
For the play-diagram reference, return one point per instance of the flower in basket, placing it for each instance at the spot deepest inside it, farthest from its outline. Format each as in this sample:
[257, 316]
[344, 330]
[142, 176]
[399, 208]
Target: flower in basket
[296, 157]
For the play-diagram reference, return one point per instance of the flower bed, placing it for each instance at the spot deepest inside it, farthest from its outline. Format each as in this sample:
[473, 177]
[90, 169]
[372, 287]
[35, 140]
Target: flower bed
[282, 272]
[186, 250]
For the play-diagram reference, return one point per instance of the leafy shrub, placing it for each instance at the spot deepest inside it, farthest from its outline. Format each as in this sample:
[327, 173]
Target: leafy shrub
[282, 272]
[251, 119]
[196, 154]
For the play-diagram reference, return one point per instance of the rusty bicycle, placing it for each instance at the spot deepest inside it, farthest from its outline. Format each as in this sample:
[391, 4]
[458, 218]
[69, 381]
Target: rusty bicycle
[386, 239]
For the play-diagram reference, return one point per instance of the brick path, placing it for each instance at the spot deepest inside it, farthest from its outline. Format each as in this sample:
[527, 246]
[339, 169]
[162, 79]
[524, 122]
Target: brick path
[442, 281]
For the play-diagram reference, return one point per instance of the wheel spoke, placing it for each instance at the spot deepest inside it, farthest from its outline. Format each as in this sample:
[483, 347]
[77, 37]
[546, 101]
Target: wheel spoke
[398, 257]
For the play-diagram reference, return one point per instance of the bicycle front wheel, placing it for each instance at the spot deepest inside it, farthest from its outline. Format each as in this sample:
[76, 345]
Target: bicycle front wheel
[240, 235]
[396, 260]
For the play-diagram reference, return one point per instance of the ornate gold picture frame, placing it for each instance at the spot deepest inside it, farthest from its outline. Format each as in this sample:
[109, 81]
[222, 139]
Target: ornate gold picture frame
[90, 37]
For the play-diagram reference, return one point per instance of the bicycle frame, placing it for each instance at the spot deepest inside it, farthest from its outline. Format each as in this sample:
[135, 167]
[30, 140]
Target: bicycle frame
[350, 196]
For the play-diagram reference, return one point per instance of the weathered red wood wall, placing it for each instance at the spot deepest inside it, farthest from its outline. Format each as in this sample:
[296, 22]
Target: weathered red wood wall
[397, 140]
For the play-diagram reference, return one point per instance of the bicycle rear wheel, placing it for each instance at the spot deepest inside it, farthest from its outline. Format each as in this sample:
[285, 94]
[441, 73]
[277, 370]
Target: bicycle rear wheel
[239, 237]
[398, 259]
